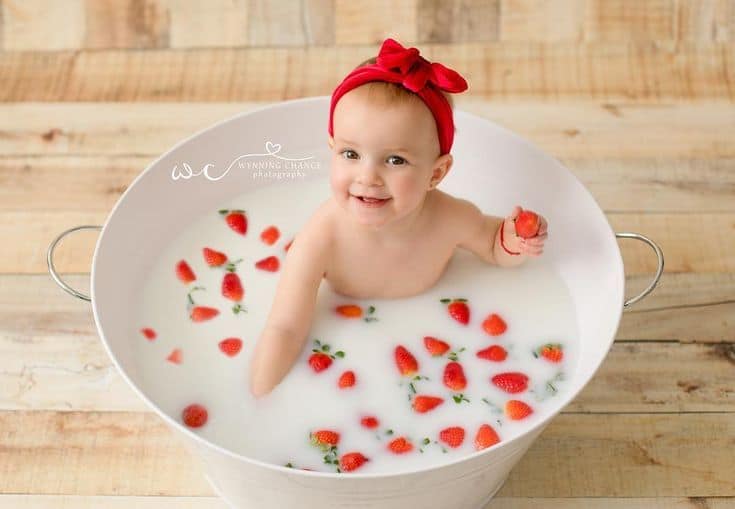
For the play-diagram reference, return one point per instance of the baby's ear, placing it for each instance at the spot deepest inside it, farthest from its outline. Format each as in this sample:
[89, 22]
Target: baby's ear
[442, 165]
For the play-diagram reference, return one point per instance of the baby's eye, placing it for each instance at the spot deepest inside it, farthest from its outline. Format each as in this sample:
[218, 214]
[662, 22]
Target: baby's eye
[348, 154]
[396, 160]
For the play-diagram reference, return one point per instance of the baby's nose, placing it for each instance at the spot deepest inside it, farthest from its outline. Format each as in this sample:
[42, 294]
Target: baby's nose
[369, 175]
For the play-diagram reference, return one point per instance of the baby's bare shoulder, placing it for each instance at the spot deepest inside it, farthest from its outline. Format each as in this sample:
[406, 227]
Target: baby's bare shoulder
[317, 234]
[456, 215]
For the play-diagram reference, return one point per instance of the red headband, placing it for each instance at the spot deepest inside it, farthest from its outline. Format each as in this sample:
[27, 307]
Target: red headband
[396, 64]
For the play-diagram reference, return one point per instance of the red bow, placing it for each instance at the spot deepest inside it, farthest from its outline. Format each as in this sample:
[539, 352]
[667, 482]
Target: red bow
[416, 70]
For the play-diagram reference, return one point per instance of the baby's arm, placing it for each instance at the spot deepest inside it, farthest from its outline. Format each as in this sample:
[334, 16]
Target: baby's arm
[291, 314]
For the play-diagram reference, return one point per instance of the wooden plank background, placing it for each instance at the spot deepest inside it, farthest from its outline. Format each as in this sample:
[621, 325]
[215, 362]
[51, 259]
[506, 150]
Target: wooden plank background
[636, 97]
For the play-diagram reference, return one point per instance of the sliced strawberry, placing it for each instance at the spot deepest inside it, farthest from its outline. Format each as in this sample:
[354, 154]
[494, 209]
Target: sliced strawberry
[453, 436]
[459, 310]
[370, 422]
[270, 235]
[512, 382]
[175, 356]
[352, 461]
[346, 379]
[552, 352]
[454, 377]
[400, 446]
[214, 258]
[271, 264]
[494, 325]
[202, 313]
[319, 361]
[237, 220]
[232, 287]
[194, 416]
[349, 311]
[423, 404]
[495, 353]
[517, 410]
[436, 347]
[406, 362]
[485, 437]
[324, 437]
[149, 333]
[230, 346]
[184, 272]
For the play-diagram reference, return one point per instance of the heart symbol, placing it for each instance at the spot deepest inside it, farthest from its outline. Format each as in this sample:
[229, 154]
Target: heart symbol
[272, 148]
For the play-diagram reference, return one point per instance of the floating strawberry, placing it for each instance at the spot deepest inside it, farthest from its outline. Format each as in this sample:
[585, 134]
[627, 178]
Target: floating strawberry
[552, 352]
[485, 437]
[352, 461]
[270, 235]
[436, 347]
[527, 224]
[230, 346]
[423, 404]
[349, 310]
[495, 353]
[452, 436]
[214, 258]
[232, 289]
[494, 325]
[346, 380]
[324, 438]
[458, 309]
[512, 382]
[202, 313]
[184, 272]
[270, 264]
[149, 333]
[194, 416]
[370, 422]
[454, 376]
[175, 356]
[406, 362]
[400, 446]
[236, 219]
[517, 410]
[321, 359]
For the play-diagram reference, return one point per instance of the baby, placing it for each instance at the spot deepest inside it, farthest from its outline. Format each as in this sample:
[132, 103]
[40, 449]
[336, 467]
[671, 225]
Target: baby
[387, 231]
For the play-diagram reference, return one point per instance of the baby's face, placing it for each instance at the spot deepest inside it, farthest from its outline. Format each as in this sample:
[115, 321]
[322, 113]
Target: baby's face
[386, 152]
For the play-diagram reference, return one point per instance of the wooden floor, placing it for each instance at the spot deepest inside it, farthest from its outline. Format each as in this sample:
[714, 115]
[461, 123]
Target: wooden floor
[636, 97]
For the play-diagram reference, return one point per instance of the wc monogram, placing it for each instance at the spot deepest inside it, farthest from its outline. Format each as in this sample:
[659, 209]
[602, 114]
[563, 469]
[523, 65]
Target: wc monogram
[276, 166]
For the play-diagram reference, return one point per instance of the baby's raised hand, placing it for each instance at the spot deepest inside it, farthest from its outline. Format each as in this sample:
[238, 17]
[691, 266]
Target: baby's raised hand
[525, 232]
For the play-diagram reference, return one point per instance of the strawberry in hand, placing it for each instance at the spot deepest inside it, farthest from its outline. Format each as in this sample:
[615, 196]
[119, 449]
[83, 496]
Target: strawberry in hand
[524, 232]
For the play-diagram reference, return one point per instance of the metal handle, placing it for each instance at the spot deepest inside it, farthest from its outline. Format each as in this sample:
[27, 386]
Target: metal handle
[50, 261]
[659, 270]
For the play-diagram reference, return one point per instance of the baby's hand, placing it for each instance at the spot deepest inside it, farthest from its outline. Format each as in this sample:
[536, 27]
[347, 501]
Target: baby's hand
[532, 246]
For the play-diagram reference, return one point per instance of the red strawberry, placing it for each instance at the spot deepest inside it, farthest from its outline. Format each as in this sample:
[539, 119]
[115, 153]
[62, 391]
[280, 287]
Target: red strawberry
[494, 353]
[149, 333]
[406, 362]
[184, 272]
[552, 352]
[400, 446]
[230, 346]
[453, 436]
[511, 382]
[527, 224]
[494, 325]
[287, 246]
[194, 416]
[174, 356]
[485, 437]
[270, 235]
[423, 404]
[436, 347]
[454, 376]
[231, 287]
[325, 437]
[349, 311]
[202, 313]
[346, 379]
[369, 422]
[352, 461]
[459, 310]
[270, 264]
[237, 221]
[214, 258]
[517, 410]
[319, 361]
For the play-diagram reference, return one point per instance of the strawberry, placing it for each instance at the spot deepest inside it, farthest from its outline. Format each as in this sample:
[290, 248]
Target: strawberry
[494, 353]
[349, 311]
[494, 325]
[423, 404]
[184, 272]
[369, 422]
[237, 220]
[527, 224]
[406, 362]
[230, 346]
[175, 356]
[551, 351]
[149, 333]
[454, 376]
[271, 264]
[400, 446]
[458, 309]
[214, 258]
[511, 382]
[346, 379]
[202, 313]
[517, 410]
[319, 361]
[436, 347]
[324, 438]
[453, 436]
[352, 461]
[270, 235]
[194, 416]
[232, 287]
[287, 246]
[485, 437]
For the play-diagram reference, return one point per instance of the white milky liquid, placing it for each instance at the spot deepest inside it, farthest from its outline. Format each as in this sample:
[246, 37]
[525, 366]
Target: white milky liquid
[532, 299]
